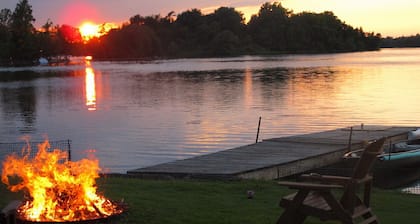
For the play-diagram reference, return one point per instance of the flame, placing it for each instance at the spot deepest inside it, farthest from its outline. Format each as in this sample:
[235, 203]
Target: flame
[58, 189]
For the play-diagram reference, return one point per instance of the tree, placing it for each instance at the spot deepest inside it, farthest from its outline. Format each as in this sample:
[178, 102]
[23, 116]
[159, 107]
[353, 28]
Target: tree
[22, 29]
[129, 42]
[47, 26]
[5, 34]
[185, 34]
[190, 19]
[226, 29]
[215, 34]
[45, 40]
[228, 19]
[316, 32]
[5, 17]
[268, 28]
[22, 18]
[136, 20]
[274, 29]
[225, 43]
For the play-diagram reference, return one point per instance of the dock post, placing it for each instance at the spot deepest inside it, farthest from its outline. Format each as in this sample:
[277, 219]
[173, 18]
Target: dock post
[349, 144]
[258, 130]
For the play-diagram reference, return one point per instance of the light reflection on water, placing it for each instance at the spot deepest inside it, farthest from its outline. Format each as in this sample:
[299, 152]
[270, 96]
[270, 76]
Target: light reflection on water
[90, 89]
[153, 112]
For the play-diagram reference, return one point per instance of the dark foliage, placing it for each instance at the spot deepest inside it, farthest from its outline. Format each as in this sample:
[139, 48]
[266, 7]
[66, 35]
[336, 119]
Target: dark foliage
[273, 30]
[410, 41]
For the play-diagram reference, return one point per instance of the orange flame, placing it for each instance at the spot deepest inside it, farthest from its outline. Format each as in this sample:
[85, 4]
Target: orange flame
[59, 190]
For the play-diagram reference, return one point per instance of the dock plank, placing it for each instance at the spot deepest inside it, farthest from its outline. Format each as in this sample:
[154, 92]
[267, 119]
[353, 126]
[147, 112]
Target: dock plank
[274, 158]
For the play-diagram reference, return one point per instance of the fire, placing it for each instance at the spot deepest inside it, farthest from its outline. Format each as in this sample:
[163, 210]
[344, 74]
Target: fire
[58, 189]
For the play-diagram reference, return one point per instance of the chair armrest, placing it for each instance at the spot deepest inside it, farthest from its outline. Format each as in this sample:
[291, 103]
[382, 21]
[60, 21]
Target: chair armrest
[366, 179]
[326, 179]
[309, 186]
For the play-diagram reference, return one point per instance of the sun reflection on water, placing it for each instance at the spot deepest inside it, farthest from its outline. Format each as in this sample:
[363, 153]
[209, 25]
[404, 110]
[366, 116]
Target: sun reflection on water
[90, 87]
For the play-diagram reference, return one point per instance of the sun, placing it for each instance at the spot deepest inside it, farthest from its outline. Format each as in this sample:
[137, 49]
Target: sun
[89, 30]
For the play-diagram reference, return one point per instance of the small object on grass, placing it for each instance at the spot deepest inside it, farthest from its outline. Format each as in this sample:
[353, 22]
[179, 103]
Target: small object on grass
[250, 194]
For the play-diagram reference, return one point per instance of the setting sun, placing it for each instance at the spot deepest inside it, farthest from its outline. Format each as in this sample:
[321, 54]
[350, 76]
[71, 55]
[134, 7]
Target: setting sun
[89, 30]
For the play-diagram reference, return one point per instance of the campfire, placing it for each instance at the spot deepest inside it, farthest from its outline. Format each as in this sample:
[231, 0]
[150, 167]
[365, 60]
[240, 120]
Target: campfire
[56, 189]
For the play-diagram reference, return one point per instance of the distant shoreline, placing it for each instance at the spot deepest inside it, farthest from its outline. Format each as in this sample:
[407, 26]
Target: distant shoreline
[29, 63]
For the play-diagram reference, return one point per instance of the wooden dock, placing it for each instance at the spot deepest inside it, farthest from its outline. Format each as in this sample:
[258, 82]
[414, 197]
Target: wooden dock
[274, 158]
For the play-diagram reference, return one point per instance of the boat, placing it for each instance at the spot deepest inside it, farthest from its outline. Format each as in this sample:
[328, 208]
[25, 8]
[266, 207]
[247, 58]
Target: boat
[402, 153]
[54, 60]
[43, 61]
[398, 164]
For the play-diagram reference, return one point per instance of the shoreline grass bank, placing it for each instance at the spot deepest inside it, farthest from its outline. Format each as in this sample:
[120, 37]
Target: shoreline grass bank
[202, 201]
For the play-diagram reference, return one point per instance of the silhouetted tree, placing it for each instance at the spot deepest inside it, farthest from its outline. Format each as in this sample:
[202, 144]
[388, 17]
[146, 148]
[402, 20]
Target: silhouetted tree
[22, 30]
[190, 19]
[187, 36]
[131, 41]
[268, 28]
[274, 29]
[229, 19]
[5, 17]
[5, 34]
[404, 41]
[136, 20]
[318, 32]
[226, 30]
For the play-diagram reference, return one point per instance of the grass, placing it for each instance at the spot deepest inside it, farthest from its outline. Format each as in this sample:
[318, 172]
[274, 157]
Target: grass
[200, 202]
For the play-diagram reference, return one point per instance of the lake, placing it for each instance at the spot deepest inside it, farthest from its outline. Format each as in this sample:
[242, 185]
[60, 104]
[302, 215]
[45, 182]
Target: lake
[137, 114]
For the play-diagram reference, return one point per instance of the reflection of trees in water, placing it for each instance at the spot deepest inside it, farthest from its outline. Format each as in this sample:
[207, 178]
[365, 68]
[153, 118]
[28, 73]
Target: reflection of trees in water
[276, 82]
[15, 76]
[219, 89]
[19, 104]
[273, 82]
[194, 88]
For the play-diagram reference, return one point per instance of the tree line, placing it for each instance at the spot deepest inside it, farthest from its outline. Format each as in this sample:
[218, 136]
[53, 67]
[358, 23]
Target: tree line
[409, 41]
[273, 30]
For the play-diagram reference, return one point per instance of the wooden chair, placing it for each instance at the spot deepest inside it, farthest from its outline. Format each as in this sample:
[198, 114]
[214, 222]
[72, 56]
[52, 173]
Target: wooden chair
[317, 195]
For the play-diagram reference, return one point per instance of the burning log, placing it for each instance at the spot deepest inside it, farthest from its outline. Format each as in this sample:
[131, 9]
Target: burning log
[58, 190]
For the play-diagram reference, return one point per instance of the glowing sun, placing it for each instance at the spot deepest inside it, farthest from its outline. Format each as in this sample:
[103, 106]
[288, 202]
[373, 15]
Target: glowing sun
[89, 30]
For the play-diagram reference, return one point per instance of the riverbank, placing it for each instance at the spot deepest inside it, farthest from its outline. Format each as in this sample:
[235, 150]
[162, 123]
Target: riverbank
[191, 201]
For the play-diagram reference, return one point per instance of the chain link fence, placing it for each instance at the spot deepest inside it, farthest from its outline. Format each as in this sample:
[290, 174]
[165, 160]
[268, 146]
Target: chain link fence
[32, 148]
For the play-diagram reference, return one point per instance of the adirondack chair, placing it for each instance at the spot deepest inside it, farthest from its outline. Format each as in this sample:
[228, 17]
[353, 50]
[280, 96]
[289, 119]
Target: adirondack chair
[318, 195]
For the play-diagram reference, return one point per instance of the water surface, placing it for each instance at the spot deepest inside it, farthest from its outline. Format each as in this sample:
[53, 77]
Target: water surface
[137, 114]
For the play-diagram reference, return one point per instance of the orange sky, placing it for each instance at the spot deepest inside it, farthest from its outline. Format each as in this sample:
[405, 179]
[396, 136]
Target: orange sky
[388, 17]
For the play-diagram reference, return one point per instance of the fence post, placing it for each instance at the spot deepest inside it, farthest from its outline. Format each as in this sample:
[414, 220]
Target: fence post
[69, 149]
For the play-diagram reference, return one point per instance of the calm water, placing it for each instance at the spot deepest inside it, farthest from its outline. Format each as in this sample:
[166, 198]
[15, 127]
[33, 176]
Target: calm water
[141, 114]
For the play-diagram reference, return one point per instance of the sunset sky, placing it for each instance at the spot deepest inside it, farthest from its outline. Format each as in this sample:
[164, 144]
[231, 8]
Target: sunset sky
[388, 17]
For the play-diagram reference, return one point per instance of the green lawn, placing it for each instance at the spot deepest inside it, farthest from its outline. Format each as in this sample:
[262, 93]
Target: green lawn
[193, 201]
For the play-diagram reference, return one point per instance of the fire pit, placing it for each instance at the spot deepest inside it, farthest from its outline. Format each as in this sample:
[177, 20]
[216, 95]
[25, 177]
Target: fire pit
[114, 218]
[100, 219]
[56, 189]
